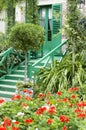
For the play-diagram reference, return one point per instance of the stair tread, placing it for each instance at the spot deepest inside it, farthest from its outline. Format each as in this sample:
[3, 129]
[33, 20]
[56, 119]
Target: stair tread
[9, 86]
[38, 66]
[9, 80]
[14, 75]
[6, 92]
[6, 99]
[19, 70]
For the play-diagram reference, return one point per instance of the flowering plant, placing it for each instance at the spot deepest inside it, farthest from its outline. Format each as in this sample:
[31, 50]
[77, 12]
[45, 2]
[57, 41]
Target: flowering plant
[21, 85]
[60, 111]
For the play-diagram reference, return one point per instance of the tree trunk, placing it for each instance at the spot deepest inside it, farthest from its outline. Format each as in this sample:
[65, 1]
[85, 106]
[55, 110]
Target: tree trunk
[25, 73]
[73, 60]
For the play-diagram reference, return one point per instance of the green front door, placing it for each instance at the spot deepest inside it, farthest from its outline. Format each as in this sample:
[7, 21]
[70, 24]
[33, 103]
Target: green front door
[46, 23]
[51, 21]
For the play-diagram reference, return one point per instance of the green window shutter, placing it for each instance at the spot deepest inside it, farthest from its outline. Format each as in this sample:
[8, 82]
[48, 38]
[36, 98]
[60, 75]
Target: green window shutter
[56, 18]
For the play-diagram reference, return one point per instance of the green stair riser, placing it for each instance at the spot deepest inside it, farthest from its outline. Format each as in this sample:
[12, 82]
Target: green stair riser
[8, 89]
[21, 68]
[5, 95]
[14, 78]
[19, 73]
[8, 82]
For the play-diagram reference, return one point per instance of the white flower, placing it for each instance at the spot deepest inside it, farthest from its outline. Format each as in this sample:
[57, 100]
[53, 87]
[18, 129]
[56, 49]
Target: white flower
[85, 108]
[26, 107]
[20, 114]
[2, 123]
[13, 120]
[46, 106]
[36, 129]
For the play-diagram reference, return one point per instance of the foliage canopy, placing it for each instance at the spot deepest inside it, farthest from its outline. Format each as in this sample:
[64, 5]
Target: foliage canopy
[26, 36]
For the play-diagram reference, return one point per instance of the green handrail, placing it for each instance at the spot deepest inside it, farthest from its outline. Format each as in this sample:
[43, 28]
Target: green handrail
[49, 56]
[6, 52]
[50, 53]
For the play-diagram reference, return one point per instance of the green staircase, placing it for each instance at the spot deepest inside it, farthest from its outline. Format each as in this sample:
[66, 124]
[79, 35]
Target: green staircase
[8, 84]
[8, 81]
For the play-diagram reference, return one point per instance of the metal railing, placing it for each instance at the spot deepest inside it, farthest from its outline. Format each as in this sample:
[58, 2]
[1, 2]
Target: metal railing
[49, 57]
[8, 60]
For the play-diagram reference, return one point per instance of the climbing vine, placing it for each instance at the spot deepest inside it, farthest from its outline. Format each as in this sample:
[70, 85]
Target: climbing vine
[32, 11]
[9, 6]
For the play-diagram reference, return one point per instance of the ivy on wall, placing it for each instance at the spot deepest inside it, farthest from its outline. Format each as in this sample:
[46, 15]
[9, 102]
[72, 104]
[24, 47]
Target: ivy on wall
[31, 11]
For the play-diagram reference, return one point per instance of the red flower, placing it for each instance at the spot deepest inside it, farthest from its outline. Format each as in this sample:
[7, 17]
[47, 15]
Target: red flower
[1, 101]
[78, 110]
[64, 128]
[52, 110]
[25, 90]
[2, 128]
[70, 89]
[65, 100]
[81, 104]
[81, 115]
[64, 118]
[6, 122]
[59, 93]
[49, 102]
[24, 105]
[28, 98]
[48, 93]
[41, 110]
[49, 121]
[14, 128]
[16, 122]
[41, 95]
[73, 96]
[70, 104]
[28, 121]
[28, 91]
[73, 89]
[14, 97]
[59, 100]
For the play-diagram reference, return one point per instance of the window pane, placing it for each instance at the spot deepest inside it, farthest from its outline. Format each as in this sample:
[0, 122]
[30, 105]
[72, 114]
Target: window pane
[50, 13]
[43, 13]
[42, 23]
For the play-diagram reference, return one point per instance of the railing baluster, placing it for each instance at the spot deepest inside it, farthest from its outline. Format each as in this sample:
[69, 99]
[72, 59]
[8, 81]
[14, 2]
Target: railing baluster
[7, 63]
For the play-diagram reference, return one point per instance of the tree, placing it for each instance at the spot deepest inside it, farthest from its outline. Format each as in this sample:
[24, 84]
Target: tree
[75, 32]
[26, 36]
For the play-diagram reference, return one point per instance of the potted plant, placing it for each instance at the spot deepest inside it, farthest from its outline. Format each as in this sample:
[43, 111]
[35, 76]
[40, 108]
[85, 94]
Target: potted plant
[25, 87]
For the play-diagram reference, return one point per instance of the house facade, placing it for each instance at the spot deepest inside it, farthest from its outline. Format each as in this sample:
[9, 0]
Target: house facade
[20, 12]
